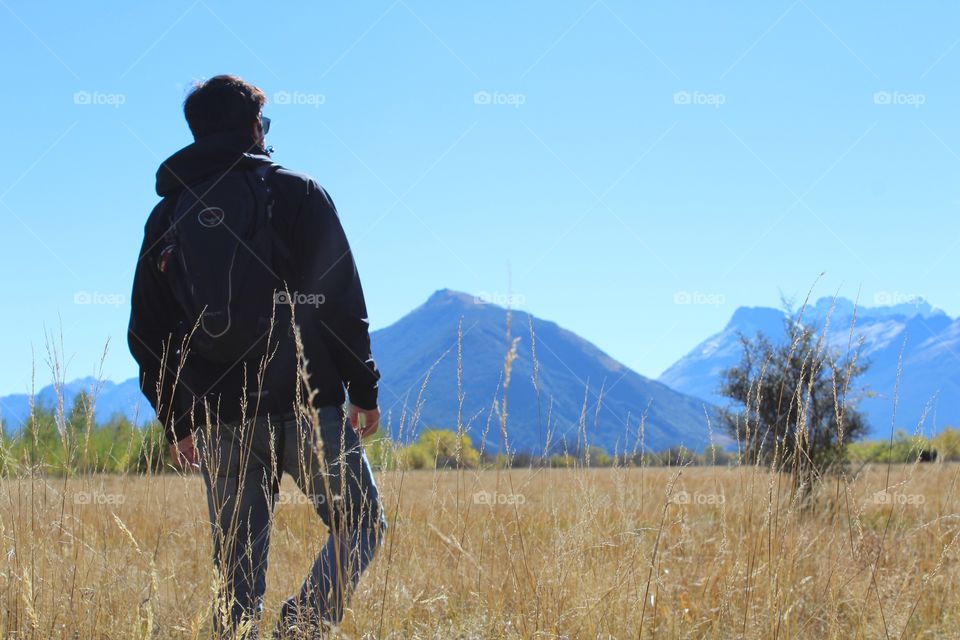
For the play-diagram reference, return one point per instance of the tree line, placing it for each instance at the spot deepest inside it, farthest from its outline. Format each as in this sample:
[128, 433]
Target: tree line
[72, 441]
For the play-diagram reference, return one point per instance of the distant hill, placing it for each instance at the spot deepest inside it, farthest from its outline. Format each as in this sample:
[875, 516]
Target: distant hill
[570, 368]
[111, 398]
[928, 338]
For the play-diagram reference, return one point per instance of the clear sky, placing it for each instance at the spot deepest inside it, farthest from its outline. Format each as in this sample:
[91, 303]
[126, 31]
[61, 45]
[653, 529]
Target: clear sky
[632, 171]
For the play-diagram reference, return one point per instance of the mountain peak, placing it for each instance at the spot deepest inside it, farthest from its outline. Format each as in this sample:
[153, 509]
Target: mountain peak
[498, 300]
[447, 296]
[448, 357]
[834, 307]
[886, 305]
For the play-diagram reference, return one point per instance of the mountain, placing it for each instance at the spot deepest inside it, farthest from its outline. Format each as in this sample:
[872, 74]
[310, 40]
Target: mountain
[569, 368]
[425, 342]
[111, 398]
[928, 338]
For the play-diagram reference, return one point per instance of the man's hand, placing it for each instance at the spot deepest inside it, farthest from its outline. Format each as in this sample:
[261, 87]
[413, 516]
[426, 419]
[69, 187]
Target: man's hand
[184, 455]
[364, 421]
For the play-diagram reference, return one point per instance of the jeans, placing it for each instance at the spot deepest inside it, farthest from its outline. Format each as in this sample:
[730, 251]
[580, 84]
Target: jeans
[242, 467]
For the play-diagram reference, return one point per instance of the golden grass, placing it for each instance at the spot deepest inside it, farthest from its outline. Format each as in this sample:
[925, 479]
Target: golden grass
[582, 553]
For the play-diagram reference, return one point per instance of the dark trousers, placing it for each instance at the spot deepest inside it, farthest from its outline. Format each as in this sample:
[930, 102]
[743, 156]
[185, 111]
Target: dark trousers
[242, 466]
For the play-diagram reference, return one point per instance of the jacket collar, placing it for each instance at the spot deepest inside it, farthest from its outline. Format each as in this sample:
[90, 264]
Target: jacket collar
[207, 156]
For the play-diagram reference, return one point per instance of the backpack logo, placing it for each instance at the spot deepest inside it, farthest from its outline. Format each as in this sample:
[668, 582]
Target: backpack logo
[210, 217]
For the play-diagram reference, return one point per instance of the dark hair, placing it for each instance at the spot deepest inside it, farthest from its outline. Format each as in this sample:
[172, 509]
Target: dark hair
[222, 103]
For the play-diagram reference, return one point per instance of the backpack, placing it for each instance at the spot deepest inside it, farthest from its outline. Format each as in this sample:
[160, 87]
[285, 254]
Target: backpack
[225, 269]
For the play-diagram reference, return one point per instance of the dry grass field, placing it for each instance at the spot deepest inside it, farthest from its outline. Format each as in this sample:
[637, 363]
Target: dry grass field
[580, 553]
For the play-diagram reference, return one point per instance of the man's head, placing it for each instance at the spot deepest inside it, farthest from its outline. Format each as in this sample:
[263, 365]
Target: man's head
[225, 104]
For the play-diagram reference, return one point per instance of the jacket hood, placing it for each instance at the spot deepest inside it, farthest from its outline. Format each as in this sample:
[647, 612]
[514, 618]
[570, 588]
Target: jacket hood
[207, 156]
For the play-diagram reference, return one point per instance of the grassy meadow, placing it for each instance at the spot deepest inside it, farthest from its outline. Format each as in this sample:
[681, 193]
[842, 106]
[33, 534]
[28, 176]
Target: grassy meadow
[681, 552]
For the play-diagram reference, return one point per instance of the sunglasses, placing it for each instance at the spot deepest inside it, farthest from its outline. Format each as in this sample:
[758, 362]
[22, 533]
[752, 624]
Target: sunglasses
[265, 124]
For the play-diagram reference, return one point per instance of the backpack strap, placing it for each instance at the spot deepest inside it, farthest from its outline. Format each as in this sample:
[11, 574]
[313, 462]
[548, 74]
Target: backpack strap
[264, 173]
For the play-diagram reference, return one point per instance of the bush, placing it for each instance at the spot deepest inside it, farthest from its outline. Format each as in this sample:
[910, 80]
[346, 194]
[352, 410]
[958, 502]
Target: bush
[434, 449]
[902, 448]
[794, 403]
[947, 445]
[563, 461]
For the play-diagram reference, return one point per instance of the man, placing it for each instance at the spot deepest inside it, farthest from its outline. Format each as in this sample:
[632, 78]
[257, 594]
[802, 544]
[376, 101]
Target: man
[248, 321]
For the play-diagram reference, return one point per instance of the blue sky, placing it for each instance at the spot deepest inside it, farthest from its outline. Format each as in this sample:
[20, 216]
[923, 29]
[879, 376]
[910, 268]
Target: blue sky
[632, 171]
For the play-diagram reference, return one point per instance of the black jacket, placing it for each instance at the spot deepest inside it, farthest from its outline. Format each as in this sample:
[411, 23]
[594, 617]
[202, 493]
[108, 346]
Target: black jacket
[335, 333]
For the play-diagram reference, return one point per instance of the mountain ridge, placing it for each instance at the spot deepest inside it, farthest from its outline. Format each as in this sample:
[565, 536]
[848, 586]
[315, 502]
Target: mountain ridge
[926, 336]
[573, 375]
